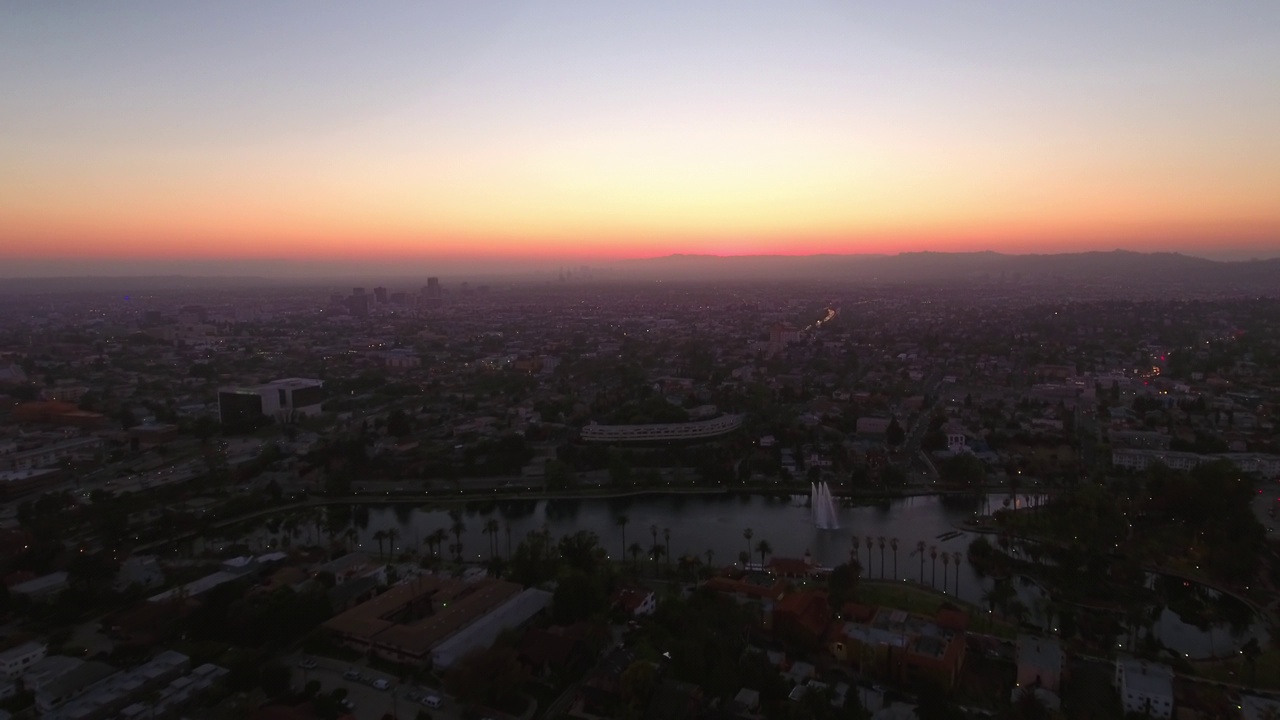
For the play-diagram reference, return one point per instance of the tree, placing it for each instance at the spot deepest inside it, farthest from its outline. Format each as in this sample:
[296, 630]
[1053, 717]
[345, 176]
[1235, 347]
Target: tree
[621, 521]
[275, 679]
[748, 534]
[920, 552]
[577, 597]
[637, 683]
[635, 549]
[457, 527]
[619, 468]
[380, 536]
[491, 528]
[666, 544]
[894, 435]
[398, 424]
[581, 551]
[962, 469]
[559, 475]
[842, 584]
[657, 552]
[764, 548]
[492, 676]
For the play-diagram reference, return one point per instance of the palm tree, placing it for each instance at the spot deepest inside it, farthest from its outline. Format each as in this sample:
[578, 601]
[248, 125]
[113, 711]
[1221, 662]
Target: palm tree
[893, 543]
[351, 535]
[635, 550]
[491, 528]
[855, 554]
[870, 542]
[955, 557]
[457, 528]
[657, 552]
[711, 554]
[748, 534]
[1016, 610]
[380, 536]
[438, 538]
[764, 549]
[666, 543]
[933, 569]
[920, 550]
[392, 535]
[621, 521]
[946, 561]
[507, 526]
[880, 540]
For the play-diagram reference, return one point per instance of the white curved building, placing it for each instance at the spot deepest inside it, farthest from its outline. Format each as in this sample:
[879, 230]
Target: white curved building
[662, 431]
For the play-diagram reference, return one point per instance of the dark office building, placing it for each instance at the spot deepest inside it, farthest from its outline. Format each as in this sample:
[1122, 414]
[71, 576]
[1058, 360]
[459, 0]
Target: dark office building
[240, 410]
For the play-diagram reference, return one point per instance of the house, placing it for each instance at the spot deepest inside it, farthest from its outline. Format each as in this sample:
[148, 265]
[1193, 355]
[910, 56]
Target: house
[1040, 663]
[351, 565]
[1145, 687]
[635, 601]
[1253, 707]
[673, 700]
[796, 568]
[545, 651]
[139, 570]
[747, 702]
[901, 646]
[16, 660]
[346, 595]
[802, 617]
[603, 686]
[750, 586]
[44, 671]
[43, 588]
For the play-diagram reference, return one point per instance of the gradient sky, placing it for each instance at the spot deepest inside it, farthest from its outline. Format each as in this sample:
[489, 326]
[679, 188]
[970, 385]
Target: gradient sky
[312, 130]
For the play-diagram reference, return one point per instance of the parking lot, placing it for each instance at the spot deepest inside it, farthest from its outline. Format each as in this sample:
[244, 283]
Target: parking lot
[364, 689]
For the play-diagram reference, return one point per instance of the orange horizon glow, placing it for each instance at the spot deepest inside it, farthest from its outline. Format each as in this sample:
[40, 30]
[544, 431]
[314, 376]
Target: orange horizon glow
[587, 132]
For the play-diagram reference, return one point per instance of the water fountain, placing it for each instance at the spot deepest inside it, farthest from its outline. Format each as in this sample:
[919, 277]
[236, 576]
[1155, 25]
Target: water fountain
[823, 507]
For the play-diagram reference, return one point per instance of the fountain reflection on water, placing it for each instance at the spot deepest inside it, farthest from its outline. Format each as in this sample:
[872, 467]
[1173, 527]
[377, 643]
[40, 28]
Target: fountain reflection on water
[823, 507]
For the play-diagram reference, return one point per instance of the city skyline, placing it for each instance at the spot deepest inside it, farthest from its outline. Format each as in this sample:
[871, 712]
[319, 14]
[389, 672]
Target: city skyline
[151, 137]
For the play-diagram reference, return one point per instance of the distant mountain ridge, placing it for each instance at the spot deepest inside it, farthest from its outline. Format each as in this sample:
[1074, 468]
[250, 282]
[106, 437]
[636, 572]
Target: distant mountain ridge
[1116, 267]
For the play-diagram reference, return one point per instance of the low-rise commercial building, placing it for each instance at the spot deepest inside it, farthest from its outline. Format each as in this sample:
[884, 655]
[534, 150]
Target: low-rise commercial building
[409, 621]
[1145, 687]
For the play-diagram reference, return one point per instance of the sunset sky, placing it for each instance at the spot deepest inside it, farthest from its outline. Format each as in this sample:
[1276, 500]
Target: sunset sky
[136, 133]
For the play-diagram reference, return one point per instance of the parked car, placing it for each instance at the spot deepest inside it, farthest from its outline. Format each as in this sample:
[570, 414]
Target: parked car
[351, 674]
[307, 663]
[381, 684]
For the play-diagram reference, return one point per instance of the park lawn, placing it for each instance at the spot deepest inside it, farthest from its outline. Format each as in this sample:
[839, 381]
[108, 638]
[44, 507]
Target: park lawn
[903, 596]
[1267, 669]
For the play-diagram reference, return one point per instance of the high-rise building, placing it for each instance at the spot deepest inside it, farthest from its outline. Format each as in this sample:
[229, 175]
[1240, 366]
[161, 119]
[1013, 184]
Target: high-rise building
[380, 295]
[434, 295]
[357, 291]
